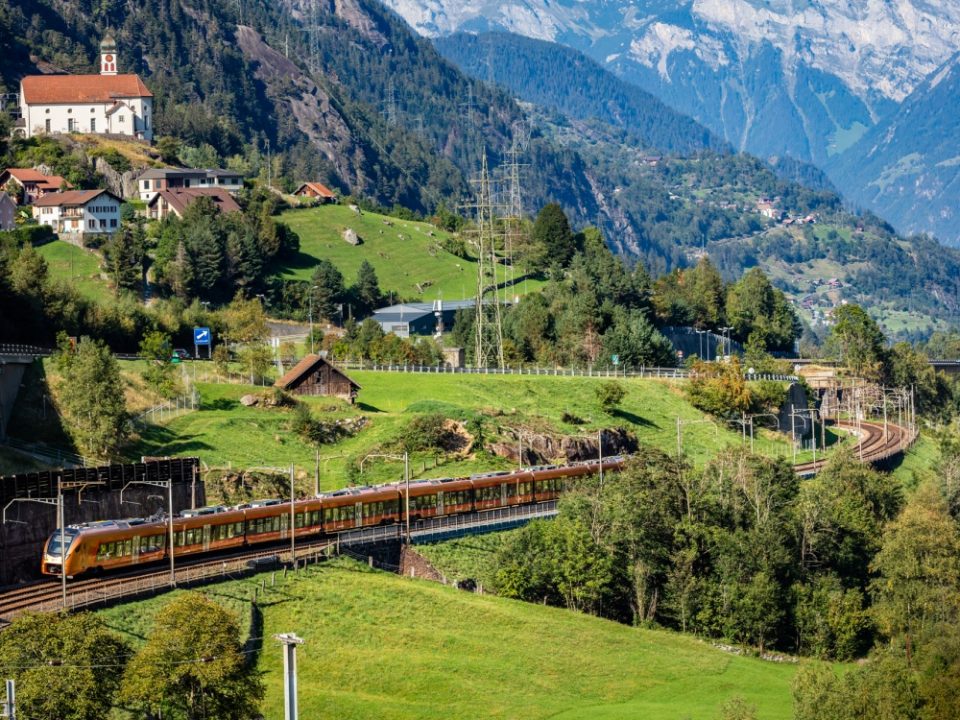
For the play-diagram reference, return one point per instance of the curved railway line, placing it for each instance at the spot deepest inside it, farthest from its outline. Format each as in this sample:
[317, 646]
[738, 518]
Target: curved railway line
[875, 444]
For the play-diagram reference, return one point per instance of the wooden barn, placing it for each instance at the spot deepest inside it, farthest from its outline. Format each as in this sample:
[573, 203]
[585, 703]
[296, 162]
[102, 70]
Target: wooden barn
[315, 376]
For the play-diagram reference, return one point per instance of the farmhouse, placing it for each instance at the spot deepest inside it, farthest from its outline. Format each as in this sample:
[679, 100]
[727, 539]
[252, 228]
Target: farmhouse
[175, 202]
[316, 190]
[104, 104]
[154, 180]
[30, 185]
[79, 212]
[315, 376]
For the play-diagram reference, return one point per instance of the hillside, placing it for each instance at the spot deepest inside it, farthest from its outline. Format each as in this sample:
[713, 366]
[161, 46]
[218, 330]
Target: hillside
[906, 167]
[561, 79]
[409, 257]
[381, 646]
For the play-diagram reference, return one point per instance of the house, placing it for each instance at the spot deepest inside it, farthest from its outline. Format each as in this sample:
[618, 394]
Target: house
[30, 185]
[317, 191]
[104, 104]
[8, 212]
[154, 180]
[316, 376]
[79, 212]
[420, 318]
[166, 202]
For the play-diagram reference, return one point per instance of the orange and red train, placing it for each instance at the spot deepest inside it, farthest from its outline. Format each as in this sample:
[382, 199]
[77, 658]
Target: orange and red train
[111, 544]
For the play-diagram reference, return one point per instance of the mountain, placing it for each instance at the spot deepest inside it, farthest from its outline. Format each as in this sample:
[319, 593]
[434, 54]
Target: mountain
[806, 79]
[555, 77]
[909, 164]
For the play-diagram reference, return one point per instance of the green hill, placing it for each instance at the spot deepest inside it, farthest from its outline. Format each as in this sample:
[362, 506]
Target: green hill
[409, 256]
[76, 267]
[224, 432]
[381, 646]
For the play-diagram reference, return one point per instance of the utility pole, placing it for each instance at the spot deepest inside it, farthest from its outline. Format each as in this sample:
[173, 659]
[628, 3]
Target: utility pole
[289, 642]
[293, 534]
[406, 499]
[10, 703]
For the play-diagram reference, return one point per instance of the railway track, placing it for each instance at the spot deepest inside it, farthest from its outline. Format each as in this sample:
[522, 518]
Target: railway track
[874, 444]
[47, 595]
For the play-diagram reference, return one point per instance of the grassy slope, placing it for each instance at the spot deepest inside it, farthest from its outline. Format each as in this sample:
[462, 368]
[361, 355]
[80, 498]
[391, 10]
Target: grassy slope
[226, 432]
[401, 263]
[76, 267]
[379, 646]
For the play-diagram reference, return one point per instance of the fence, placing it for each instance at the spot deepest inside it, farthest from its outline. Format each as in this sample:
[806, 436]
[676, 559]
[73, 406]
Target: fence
[642, 372]
[166, 411]
[54, 456]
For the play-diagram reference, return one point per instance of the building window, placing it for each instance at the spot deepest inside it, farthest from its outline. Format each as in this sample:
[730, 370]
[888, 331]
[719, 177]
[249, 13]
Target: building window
[103, 224]
[71, 124]
[93, 125]
[48, 125]
[92, 224]
[120, 119]
[113, 222]
[92, 109]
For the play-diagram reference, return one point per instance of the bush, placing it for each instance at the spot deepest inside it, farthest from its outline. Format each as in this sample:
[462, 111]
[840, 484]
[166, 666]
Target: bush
[429, 432]
[609, 395]
[30, 235]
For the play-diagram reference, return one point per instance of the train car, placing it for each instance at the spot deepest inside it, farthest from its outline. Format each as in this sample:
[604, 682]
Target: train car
[438, 497]
[113, 544]
[104, 545]
[353, 508]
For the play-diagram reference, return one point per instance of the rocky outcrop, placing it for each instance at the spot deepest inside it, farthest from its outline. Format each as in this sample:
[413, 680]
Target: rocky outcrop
[540, 448]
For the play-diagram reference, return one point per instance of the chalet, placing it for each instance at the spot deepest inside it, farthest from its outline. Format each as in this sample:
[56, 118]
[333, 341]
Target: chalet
[104, 104]
[30, 185]
[317, 191]
[316, 376]
[8, 212]
[167, 202]
[154, 180]
[79, 212]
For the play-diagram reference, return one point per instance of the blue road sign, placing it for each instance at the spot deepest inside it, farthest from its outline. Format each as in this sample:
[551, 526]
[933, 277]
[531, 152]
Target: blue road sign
[615, 359]
[201, 336]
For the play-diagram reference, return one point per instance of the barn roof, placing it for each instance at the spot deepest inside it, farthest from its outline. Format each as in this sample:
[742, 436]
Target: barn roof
[319, 188]
[305, 367]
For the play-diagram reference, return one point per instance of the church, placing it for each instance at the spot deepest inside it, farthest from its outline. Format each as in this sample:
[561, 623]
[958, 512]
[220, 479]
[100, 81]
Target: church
[104, 104]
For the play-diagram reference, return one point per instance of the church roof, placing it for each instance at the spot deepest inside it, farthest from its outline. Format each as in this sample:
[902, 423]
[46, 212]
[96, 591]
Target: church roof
[63, 89]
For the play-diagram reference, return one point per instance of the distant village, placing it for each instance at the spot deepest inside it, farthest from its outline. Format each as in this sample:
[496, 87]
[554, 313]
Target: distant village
[114, 105]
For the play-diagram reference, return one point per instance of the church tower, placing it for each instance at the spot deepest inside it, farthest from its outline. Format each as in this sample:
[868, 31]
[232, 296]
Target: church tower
[108, 56]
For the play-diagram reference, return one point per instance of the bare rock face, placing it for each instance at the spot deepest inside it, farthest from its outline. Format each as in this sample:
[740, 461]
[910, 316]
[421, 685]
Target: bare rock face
[315, 114]
[249, 400]
[542, 448]
[350, 237]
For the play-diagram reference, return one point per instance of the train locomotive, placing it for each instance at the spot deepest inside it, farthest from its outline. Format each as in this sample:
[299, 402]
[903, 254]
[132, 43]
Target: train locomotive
[93, 548]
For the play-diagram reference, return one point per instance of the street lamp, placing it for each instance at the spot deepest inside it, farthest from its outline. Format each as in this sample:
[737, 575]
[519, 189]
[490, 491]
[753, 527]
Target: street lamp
[701, 333]
[725, 334]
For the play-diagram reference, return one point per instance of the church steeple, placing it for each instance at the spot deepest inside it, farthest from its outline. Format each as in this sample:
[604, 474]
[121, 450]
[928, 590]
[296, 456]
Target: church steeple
[108, 56]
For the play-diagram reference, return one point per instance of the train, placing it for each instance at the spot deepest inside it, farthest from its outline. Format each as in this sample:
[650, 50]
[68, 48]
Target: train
[106, 545]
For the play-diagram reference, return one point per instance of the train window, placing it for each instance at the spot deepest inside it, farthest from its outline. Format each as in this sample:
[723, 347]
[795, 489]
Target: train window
[127, 548]
[105, 551]
[511, 489]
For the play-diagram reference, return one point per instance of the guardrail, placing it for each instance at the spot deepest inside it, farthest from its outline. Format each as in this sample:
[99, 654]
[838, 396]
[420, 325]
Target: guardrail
[643, 372]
